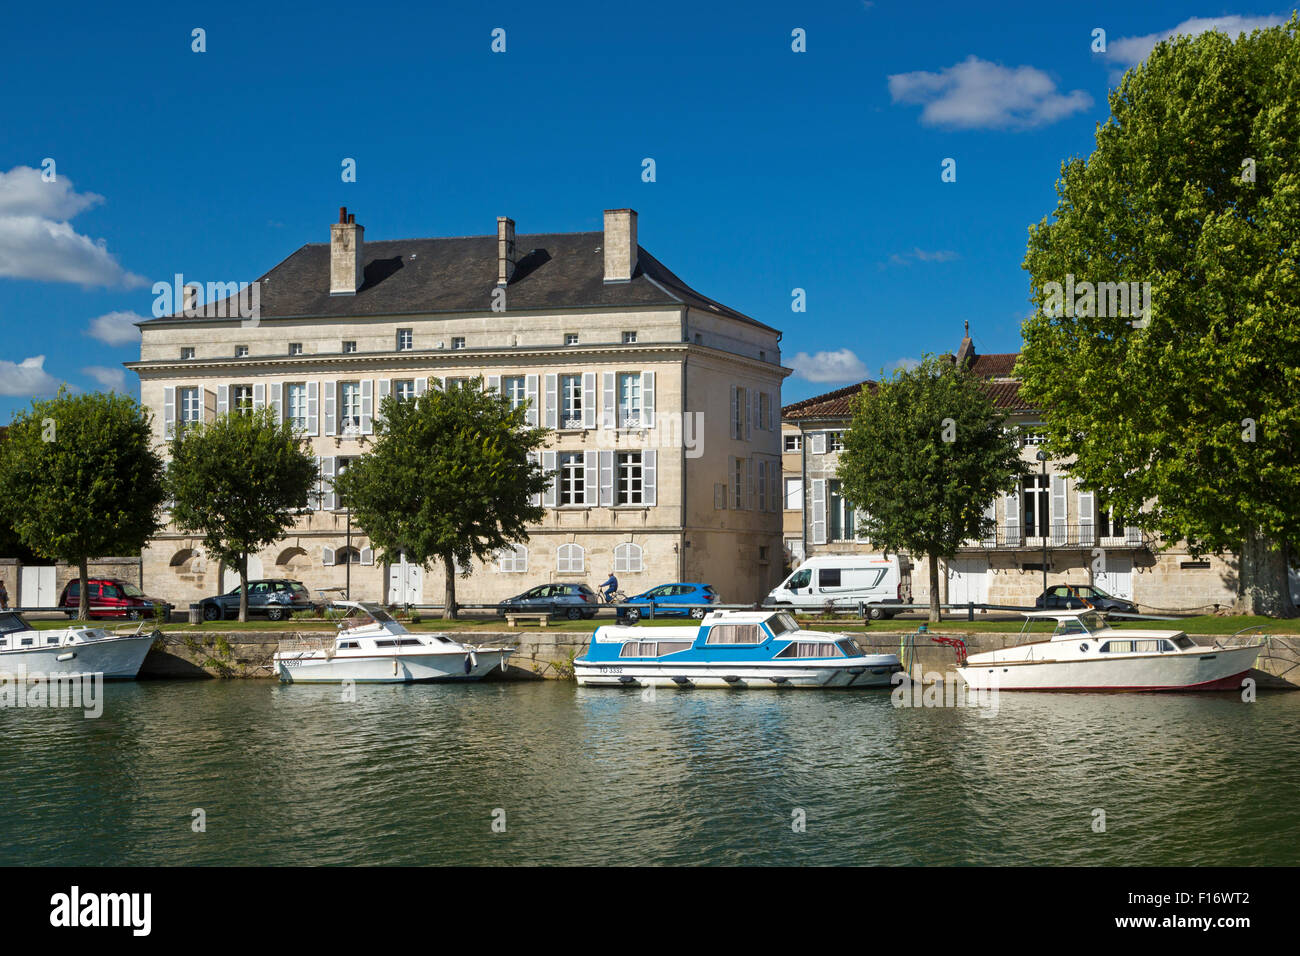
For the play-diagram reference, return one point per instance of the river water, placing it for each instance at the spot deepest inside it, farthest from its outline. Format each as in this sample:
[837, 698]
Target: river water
[539, 773]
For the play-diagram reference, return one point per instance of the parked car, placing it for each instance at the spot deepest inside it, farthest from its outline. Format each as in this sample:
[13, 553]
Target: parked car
[574, 601]
[1070, 596]
[113, 598]
[276, 598]
[844, 580]
[648, 603]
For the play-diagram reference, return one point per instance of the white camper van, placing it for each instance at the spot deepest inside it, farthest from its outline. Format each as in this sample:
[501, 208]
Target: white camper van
[844, 580]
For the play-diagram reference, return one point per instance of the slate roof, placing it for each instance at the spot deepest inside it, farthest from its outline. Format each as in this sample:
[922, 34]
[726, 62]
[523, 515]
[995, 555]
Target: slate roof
[831, 405]
[998, 365]
[456, 275]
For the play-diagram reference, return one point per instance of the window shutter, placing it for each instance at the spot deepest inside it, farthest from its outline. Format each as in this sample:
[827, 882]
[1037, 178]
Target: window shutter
[733, 495]
[749, 484]
[548, 466]
[328, 499]
[367, 406]
[650, 477]
[313, 408]
[530, 394]
[327, 556]
[606, 479]
[762, 484]
[818, 443]
[991, 512]
[1058, 509]
[588, 399]
[209, 405]
[367, 556]
[494, 383]
[1087, 517]
[223, 399]
[169, 411]
[735, 413]
[609, 403]
[859, 521]
[1011, 519]
[275, 399]
[259, 396]
[383, 388]
[534, 500]
[819, 511]
[313, 499]
[590, 477]
[421, 387]
[751, 408]
[551, 401]
[647, 399]
[328, 389]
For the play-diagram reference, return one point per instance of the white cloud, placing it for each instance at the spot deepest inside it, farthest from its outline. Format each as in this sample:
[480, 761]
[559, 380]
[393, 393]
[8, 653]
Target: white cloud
[36, 241]
[838, 366]
[922, 255]
[113, 379]
[904, 364]
[976, 94]
[27, 378]
[1133, 50]
[116, 328]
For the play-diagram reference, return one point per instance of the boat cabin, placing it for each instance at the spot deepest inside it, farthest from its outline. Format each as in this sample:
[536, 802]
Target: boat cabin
[733, 635]
[1091, 623]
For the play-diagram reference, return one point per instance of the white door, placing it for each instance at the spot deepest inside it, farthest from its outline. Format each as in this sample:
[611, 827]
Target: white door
[405, 582]
[36, 587]
[230, 576]
[1117, 579]
[968, 580]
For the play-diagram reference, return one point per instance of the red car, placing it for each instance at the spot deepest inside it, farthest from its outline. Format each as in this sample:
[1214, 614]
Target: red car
[113, 598]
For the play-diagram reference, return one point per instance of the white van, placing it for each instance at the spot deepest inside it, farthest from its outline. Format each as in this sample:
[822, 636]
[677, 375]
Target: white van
[844, 580]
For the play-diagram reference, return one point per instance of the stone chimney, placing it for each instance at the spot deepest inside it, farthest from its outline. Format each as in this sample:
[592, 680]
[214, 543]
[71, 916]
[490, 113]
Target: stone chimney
[190, 294]
[966, 351]
[347, 264]
[505, 249]
[620, 245]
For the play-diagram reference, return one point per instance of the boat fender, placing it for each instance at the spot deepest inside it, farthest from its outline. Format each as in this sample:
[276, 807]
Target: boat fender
[66, 657]
[731, 678]
[470, 662]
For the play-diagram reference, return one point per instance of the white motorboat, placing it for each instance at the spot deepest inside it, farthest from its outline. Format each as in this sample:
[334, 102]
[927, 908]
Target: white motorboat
[735, 649]
[371, 647]
[1084, 653]
[26, 653]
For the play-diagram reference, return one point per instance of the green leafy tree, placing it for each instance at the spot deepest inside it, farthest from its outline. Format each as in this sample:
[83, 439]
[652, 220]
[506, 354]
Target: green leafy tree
[924, 456]
[1187, 425]
[239, 482]
[447, 477]
[79, 479]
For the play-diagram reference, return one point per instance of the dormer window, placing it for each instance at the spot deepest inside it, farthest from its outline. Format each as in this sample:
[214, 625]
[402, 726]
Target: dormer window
[570, 338]
[349, 346]
[629, 338]
[295, 348]
[458, 341]
[187, 353]
[405, 340]
[241, 351]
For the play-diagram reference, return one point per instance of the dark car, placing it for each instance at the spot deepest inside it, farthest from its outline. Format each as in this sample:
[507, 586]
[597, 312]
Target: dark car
[111, 597]
[574, 601]
[1071, 596]
[651, 603]
[277, 599]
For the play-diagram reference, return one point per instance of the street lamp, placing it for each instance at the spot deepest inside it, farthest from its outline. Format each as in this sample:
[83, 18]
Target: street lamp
[1042, 460]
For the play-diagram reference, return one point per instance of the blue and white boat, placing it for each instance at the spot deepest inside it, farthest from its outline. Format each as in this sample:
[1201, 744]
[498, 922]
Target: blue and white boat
[731, 649]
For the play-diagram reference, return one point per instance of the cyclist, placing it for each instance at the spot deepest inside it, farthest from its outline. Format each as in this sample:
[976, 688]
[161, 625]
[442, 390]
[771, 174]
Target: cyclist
[609, 587]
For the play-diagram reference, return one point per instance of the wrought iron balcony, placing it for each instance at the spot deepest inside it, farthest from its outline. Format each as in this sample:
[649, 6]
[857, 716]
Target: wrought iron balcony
[1059, 535]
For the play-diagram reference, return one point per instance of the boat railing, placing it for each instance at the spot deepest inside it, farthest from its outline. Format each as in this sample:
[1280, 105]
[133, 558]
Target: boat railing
[300, 643]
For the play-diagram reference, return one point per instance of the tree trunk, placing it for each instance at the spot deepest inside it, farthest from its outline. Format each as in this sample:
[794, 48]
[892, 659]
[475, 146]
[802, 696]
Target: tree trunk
[935, 614]
[449, 600]
[243, 587]
[1262, 581]
[83, 611]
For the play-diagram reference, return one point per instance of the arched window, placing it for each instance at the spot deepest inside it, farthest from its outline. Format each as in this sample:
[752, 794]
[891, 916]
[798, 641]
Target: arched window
[513, 559]
[293, 559]
[570, 559]
[628, 558]
[187, 561]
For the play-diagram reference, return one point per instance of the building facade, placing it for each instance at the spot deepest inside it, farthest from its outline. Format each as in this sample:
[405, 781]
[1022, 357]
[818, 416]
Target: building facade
[1047, 522]
[663, 404]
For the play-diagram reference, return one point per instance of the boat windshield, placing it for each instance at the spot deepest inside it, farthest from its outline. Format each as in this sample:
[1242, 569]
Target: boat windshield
[1083, 624]
[782, 623]
[378, 613]
[11, 622]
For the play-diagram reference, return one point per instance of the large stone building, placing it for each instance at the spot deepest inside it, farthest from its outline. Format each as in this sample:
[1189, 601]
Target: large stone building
[664, 404]
[1047, 520]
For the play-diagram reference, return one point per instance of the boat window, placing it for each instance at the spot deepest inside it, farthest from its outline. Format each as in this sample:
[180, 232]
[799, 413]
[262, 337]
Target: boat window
[26, 641]
[1166, 645]
[1070, 625]
[385, 643]
[51, 640]
[1132, 647]
[672, 647]
[652, 648]
[12, 622]
[407, 641]
[344, 645]
[850, 648]
[782, 623]
[1184, 641]
[733, 634]
[808, 649]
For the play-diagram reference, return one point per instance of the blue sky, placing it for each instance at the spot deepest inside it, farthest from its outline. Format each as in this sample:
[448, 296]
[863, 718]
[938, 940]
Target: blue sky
[775, 170]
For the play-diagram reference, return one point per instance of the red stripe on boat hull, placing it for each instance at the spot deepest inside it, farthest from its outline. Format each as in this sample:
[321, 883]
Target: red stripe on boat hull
[1232, 682]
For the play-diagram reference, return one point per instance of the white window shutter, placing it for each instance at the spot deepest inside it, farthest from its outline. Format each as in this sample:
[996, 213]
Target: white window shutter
[421, 387]
[735, 412]
[1087, 517]
[367, 406]
[588, 399]
[819, 511]
[313, 500]
[494, 383]
[313, 408]
[750, 409]
[1011, 517]
[606, 479]
[169, 411]
[328, 498]
[328, 389]
[548, 466]
[551, 401]
[223, 399]
[762, 484]
[590, 476]
[650, 477]
[367, 556]
[534, 500]
[383, 388]
[275, 398]
[530, 394]
[327, 556]
[818, 443]
[259, 396]
[1058, 509]
[749, 484]
[647, 399]
[609, 403]
[991, 513]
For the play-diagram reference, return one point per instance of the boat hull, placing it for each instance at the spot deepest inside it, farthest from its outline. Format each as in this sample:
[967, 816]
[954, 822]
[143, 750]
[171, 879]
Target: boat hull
[1206, 668]
[874, 671]
[117, 658]
[316, 668]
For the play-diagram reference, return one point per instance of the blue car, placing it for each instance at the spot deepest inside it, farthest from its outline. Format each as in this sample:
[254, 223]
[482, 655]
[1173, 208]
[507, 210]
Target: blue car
[648, 602]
